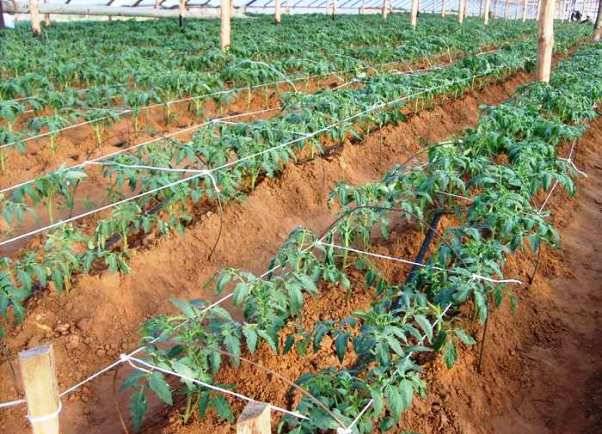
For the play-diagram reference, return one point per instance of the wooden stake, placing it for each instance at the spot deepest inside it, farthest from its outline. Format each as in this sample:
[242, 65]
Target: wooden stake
[385, 10]
[334, 8]
[525, 10]
[41, 389]
[506, 9]
[34, 10]
[277, 17]
[442, 8]
[487, 7]
[225, 11]
[414, 17]
[538, 10]
[546, 40]
[255, 419]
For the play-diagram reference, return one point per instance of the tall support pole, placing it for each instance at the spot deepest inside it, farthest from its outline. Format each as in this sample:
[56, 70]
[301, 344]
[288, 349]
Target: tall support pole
[538, 10]
[461, 11]
[182, 10]
[2, 25]
[481, 8]
[334, 8]
[46, 18]
[363, 7]
[277, 17]
[505, 9]
[385, 10]
[225, 11]
[34, 11]
[486, 17]
[546, 40]
[414, 17]
[442, 8]
[525, 5]
[598, 25]
[41, 389]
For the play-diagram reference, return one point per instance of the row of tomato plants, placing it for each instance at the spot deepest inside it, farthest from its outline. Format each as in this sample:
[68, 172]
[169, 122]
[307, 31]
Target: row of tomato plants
[69, 250]
[405, 318]
[56, 107]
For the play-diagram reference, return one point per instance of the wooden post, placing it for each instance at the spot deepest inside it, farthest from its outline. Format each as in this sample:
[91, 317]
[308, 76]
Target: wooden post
[598, 25]
[362, 7]
[538, 10]
[254, 419]
[442, 8]
[2, 25]
[385, 10]
[34, 11]
[414, 17]
[505, 9]
[41, 389]
[334, 8]
[525, 5]
[486, 17]
[546, 40]
[461, 11]
[277, 17]
[225, 24]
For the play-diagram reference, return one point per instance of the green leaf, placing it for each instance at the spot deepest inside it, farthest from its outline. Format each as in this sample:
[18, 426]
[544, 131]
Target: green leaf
[425, 325]
[394, 401]
[250, 336]
[223, 409]
[340, 344]
[465, 337]
[450, 354]
[138, 407]
[185, 307]
[406, 391]
[203, 403]
[158, 385]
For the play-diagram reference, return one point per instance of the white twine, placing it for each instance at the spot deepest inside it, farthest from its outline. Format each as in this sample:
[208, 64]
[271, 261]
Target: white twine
[418, 264]
[148, 142]
[151, 367]
[37, 419]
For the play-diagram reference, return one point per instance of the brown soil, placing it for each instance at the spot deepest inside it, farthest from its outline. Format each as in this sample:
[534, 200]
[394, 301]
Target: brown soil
[83, 323]
[92, 324]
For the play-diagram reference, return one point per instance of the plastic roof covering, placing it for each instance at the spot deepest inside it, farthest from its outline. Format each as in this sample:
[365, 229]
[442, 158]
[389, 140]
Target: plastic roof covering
[425, 5]
[343, 6]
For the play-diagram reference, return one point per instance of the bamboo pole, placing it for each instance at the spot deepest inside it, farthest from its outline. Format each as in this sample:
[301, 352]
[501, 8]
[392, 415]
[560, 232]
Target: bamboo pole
[546, 40]
[385, 10]
[442, 8]
[525, 5]
[277, 17]
[34, 11]
[461, 11]
[362, 7]
[505, 9]
[414, 17]
[41, 389]
[486, 17]
[182, 8]
[334, 8]
[598, 26]
[254, 419]
[538, 10]
[225, 11]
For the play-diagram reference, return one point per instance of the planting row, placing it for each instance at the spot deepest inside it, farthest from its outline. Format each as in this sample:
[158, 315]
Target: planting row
[119, 76]
[235, 155]
[493, 205]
